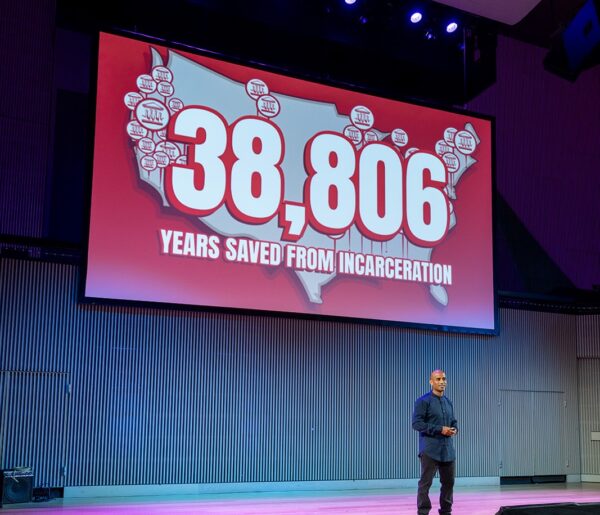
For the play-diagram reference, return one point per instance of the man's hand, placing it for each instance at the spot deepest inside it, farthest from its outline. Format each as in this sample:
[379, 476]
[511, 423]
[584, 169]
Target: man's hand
[449, 431]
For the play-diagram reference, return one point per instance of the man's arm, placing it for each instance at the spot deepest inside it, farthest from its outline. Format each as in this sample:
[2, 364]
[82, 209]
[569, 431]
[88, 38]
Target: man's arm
[454, 422]
[419, 420]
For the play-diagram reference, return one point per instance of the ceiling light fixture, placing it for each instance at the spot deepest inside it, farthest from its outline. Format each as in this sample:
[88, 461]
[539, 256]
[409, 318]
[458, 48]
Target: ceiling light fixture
[451, 27]
[416, 17]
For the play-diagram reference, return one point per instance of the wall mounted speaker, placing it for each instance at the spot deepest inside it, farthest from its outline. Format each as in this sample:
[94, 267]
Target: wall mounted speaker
[578, 47]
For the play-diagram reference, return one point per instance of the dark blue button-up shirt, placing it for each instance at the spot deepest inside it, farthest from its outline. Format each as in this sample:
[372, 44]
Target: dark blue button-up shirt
[430, 415]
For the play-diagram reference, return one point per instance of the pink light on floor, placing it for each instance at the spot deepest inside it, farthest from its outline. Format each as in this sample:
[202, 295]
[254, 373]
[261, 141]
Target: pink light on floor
[476, 500]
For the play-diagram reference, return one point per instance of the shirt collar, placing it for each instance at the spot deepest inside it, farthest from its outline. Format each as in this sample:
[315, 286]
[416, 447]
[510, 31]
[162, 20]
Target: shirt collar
[431, 394]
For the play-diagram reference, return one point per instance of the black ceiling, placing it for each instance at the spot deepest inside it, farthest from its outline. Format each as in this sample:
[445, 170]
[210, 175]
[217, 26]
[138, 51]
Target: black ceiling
[325, 39]
[330, 40]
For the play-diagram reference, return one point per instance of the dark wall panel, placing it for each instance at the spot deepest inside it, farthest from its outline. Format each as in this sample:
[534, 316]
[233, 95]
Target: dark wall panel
[547, 160]
[26, 107]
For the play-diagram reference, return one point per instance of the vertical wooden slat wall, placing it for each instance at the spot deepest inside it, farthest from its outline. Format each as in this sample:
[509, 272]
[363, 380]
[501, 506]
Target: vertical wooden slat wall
[588, 352]
[588, 336]
[26, 112]
[589, 371]
[173, 396]
[34, 417]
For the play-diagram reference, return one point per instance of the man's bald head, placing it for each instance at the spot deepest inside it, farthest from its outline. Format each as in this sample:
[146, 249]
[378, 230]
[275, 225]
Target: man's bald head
[435, 372]
[438, 382]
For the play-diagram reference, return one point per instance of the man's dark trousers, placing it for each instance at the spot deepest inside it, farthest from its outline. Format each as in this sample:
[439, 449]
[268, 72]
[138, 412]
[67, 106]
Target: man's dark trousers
[429, 466]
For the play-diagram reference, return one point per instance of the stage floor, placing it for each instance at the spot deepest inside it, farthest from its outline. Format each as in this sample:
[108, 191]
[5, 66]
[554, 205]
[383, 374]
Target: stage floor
[474, 500]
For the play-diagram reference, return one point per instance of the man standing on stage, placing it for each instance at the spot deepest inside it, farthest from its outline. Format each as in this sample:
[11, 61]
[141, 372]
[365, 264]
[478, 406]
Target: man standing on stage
[433, 417]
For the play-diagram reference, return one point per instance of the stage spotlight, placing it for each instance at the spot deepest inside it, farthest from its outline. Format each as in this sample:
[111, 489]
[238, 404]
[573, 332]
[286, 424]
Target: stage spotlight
[451, 27]
[350, 2]
[416, 17]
